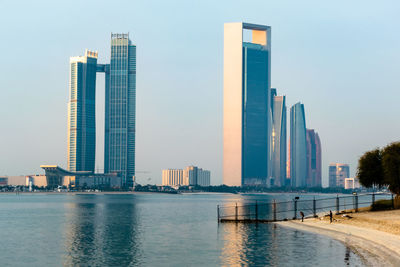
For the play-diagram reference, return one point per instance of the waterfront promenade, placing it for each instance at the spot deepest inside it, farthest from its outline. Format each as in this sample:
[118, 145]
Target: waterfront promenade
[375, 236]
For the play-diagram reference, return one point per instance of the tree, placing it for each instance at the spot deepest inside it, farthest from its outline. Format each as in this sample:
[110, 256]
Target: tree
[370, 169]
[391, 166]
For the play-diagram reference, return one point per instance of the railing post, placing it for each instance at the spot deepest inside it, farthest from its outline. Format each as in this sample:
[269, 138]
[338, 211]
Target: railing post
[295, 209]
[392, 202]
[256, 211]
[236, 212]
[356, 202]
[337, 204]
[315, 207]
[274, 208]
[218, 212]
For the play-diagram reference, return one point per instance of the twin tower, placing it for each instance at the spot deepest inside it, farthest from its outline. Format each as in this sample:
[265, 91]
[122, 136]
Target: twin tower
[120, 110]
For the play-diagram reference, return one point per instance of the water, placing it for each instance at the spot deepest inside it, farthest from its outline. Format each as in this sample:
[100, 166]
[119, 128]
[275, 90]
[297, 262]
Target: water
[151, 230]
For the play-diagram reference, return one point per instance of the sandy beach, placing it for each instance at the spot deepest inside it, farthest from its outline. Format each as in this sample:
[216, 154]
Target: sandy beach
[375, 236]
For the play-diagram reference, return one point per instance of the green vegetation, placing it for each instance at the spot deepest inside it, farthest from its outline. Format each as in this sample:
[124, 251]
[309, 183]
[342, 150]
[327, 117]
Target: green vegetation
[383, 204]
[380, 167]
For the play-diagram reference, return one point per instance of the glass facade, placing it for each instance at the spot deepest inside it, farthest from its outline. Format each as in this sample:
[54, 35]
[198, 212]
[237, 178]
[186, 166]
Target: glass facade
[338, 172]
[247, 113]
[255, 150]
[278, 139]
[314, 172]
[298, 146]
[120, 109]
[82, 113]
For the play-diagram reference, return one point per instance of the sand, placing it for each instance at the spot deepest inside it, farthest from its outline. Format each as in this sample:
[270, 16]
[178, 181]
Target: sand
[374, 236]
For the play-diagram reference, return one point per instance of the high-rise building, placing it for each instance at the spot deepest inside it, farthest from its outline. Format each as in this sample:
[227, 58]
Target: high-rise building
[120, 109]
[192, 175]
[82, 113]
[338, 172]
[173, 177]
[314, 172]
[203, 177]
[196, 176]
[298, 146]
[278, 139]
[247, 118]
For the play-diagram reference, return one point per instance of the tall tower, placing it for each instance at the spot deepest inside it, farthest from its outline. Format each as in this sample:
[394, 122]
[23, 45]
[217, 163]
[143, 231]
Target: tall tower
[247, 118]
[278, 138]
[298, 146]
[313, 159]
[120, 109]
[82, 113]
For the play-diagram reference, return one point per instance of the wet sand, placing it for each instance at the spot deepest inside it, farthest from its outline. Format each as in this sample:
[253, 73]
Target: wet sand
[375, 236]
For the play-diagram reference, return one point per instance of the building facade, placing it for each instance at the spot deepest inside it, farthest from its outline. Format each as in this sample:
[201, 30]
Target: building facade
[173, 177]
[191, 175]
[247, 118]
[314, 171]
[82, 113]
[120, 109]
[351, 183]
[298, 146]
[203, 177]
[278, 139]
[338, 172]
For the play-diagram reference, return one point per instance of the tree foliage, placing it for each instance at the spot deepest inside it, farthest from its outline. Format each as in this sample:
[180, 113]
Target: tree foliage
[370, 170]
[380, 167]
[391, 166]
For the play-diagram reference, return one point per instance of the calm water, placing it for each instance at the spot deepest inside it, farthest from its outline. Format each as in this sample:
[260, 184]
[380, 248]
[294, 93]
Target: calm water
[150, 230]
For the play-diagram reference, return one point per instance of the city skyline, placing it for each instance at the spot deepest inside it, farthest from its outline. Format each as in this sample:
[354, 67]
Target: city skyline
[318, 78]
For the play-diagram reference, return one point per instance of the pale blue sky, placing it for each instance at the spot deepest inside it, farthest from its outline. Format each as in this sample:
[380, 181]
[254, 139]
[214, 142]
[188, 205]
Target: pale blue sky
[341, 59]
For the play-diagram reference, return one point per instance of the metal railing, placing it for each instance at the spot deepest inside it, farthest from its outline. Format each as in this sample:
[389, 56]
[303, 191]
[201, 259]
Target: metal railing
[289, 210]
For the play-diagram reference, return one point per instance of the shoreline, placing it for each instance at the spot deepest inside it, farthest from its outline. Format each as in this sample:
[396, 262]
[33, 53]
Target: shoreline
[110, 193]
[363, 234]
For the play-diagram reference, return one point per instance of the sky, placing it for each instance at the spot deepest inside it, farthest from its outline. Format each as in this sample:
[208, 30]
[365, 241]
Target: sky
[341, 59]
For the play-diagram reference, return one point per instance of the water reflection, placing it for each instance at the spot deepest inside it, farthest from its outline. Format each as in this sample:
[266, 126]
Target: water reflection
[268, 244]
[102, 231]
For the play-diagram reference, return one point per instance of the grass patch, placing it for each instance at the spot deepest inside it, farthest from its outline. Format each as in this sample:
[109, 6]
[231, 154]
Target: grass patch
[383, 204]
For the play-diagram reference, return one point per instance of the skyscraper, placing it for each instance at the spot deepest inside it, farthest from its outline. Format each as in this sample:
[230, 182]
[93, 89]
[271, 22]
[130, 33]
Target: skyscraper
[247, 118]
[314, 171]
[278, 138]
[298, 146]
[82, 113]
[338, 172]
[120, 109]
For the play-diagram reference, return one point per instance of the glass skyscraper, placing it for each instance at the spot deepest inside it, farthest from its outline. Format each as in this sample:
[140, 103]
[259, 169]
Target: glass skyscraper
[82, 113]
[247, 118]
[298, 146]
[314, 172]
[278, 139]
[120, 109]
